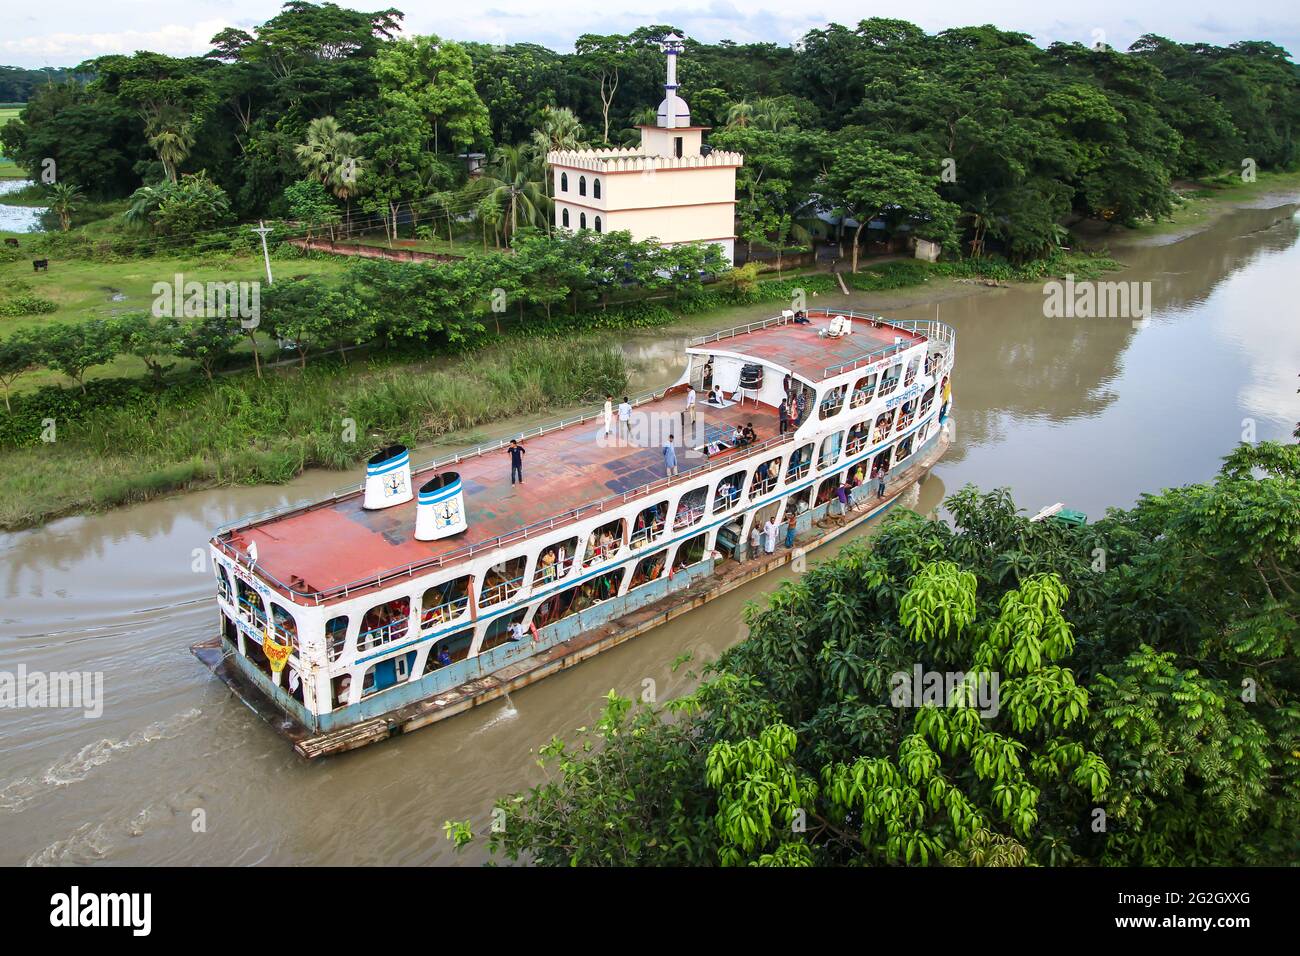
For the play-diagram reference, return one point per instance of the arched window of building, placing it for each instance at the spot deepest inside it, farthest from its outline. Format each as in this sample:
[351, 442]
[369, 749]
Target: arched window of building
[598, 224]
[595, 189]
[564, 218]
[564, 182]
[582, 185]
[582, 220]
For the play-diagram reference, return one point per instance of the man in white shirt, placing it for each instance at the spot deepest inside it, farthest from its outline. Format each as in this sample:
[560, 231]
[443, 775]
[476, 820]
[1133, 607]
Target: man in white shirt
[690, 406]
[609, 414]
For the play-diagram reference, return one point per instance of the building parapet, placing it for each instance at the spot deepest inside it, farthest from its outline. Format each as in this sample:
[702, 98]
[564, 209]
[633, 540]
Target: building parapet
[631, 160]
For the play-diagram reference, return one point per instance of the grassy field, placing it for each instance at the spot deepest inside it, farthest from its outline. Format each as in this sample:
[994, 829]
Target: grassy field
[90, 290]
[245, 431]
[1203, 203]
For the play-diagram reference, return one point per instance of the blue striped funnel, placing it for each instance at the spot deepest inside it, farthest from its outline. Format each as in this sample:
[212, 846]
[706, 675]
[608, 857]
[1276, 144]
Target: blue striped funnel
[440, 510]
[388, 478]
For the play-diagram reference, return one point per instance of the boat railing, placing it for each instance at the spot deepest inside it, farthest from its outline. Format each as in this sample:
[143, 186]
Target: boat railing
[501, 592]
[384, 634]
[434, 464]
[520, 534]
[443, 613]
[546, 573]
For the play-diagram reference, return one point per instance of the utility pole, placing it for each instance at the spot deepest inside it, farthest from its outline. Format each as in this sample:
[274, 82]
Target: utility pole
[262, 229]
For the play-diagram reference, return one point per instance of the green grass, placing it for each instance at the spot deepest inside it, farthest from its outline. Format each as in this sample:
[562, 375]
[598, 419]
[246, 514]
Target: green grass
[1211, 197]
[84, 289]
[245, 431]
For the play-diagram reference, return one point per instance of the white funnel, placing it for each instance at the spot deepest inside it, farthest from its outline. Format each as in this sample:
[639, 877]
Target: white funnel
[440, 510]
[388, 478]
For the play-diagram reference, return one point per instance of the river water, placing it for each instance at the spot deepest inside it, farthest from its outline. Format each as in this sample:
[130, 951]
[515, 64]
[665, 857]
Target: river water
[18, 218]
[1091, 412]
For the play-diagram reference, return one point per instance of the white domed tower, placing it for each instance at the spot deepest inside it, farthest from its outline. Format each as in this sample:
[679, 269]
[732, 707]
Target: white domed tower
[672, 188]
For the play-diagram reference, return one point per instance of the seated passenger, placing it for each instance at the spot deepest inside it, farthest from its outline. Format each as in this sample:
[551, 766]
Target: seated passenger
[444, 656]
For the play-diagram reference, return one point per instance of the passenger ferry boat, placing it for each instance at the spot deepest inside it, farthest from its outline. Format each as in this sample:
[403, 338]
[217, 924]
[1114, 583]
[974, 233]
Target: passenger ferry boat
[430, 590]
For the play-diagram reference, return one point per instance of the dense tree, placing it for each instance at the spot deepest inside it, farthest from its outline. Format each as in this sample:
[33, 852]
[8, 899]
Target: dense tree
[1144, 712]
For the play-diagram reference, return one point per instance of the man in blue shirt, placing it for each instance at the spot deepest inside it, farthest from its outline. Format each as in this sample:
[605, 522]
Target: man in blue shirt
[670, 457]
[516, 460]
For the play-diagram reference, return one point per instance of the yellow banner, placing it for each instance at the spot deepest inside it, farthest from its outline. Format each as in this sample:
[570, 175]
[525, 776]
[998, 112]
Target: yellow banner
[276, 654]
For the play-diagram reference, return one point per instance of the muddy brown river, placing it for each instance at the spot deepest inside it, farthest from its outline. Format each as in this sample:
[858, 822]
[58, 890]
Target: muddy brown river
[1090, 412]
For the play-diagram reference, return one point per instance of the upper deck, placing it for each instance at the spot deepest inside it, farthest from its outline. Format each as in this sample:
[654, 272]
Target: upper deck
[333, 548]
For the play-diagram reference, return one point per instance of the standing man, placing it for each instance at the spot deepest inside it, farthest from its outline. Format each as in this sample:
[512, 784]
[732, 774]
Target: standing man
[670, 457]
[609, 414]
[784, 411]
[880, 487]
[516, 451]
[690, 410]
[625, 419]
[769, 535]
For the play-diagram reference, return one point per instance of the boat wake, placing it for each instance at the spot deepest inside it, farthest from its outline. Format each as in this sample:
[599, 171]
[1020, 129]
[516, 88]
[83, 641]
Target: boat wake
[16, 795]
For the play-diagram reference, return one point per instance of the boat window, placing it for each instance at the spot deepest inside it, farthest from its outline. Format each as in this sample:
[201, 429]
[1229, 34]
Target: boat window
[444, 602]
[250, 603]
[903, 449]
[336, 636]
[906, 414]
[826, 489]
[384, 623]
[890, 381]
[933, 362]
[648, 569]
[728, 493]
[603, 543]
[690, 551]
[502, 581]
[690, 509]
[863, 391]
[286, 628]
[341, 687]
[833, 402]
[912, 368]
[498, 631]
[253, 651]
[448, 650]
[387, 673]
[798, 502]
[830, 452]
[555, 561]
[884, 423]
[800, 462]
[593, 591]
[880, 464]
[649, 525]
[223, 584]
[927, 400]
[765, 478]
[857, 438]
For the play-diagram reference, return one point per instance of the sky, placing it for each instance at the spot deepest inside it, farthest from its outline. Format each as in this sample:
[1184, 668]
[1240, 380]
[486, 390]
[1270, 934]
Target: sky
[65, 32]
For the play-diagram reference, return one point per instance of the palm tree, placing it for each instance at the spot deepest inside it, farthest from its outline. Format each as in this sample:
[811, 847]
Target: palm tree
[770, 115]
[516, 183]
[740, 114]
[560, 129]
[63, 200]
[331, 156]
[171, 140]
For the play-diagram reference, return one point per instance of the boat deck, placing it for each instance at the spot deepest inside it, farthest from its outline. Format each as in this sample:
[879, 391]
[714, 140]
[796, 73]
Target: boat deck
[800, 349]
[338, 543]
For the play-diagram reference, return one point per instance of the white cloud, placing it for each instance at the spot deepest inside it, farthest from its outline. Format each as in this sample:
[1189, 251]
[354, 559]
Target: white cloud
[67, 49]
